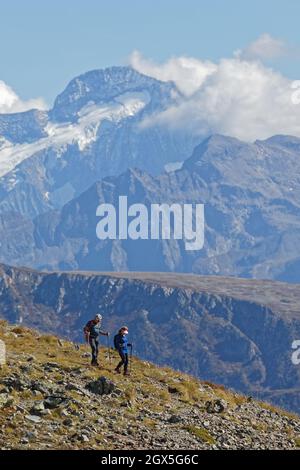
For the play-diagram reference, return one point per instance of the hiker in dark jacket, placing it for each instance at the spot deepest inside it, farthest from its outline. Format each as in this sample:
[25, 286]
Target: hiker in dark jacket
[121, 344]
[92, 331]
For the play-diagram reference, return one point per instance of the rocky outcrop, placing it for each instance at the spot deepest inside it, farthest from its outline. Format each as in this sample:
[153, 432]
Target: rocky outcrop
[232, 331]
[101, 386]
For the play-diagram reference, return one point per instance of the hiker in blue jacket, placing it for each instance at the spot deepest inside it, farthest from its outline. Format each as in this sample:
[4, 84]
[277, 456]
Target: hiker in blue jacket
[121, 344]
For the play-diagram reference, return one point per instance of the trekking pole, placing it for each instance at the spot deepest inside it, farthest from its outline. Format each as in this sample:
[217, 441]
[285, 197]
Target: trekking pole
[88, 347]
[108, 351]
[130, 359]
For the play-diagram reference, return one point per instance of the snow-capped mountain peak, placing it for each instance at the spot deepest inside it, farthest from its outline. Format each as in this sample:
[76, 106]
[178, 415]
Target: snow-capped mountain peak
[92, 131]
[82, 132]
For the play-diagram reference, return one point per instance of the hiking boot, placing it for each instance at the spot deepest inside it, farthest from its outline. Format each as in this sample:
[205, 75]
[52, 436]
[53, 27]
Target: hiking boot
[117, 370]
[95, 364]
[126, 372]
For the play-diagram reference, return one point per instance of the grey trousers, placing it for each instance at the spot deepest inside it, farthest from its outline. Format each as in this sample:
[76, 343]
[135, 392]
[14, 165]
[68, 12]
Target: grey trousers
[95, 349]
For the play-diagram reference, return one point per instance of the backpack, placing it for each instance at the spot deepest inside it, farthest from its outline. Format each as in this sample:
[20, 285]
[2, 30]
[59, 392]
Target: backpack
[116, 341]
[88, 326]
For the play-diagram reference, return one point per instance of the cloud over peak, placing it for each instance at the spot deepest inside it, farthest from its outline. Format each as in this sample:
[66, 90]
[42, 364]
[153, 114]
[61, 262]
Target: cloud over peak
[187, 72]
[238, 96]
[10, 102]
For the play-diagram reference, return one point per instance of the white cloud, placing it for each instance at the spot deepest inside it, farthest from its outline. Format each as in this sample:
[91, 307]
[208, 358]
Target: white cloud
[188, 73]
[265, 48]
[11, 103]
[237, 97]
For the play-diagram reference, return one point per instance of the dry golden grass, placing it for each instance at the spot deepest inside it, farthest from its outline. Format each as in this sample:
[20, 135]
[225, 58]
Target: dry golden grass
[201, 434]
[276, 409]
[297, 441]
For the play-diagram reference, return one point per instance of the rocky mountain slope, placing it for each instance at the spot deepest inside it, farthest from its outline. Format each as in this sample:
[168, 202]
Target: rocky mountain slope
[236, 332]
[50, 398]
[252, 217]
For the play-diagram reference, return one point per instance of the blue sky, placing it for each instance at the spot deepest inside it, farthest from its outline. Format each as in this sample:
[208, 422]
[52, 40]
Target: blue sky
[45, 44]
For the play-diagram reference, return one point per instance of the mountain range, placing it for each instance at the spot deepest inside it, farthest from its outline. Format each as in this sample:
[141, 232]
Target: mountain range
[251, 195]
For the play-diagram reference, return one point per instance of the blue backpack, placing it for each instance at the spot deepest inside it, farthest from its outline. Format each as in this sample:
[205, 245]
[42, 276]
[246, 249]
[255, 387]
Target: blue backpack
[117, 341]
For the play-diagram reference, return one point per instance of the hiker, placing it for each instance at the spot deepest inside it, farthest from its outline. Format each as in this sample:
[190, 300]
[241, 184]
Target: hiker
[92, 331]
[121, 344]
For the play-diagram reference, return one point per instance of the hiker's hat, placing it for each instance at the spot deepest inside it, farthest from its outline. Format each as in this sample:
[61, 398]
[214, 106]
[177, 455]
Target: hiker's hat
[98, 316]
